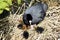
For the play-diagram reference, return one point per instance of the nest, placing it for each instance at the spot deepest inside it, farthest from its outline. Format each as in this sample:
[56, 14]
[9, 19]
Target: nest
[51, 23]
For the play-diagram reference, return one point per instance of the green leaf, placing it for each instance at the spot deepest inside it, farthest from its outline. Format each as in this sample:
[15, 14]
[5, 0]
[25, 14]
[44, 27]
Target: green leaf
[3, 5]
[7, 9]
[19, 1]
[9, 2]
[1, 11]
[1, 0]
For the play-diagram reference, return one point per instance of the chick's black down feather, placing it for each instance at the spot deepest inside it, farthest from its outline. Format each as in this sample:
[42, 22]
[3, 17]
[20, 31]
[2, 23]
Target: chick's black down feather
[35, 13]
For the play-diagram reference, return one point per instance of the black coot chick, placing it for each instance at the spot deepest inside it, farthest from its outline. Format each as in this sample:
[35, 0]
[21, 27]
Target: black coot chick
[35, 13]
[39, 29]
[25, 34]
